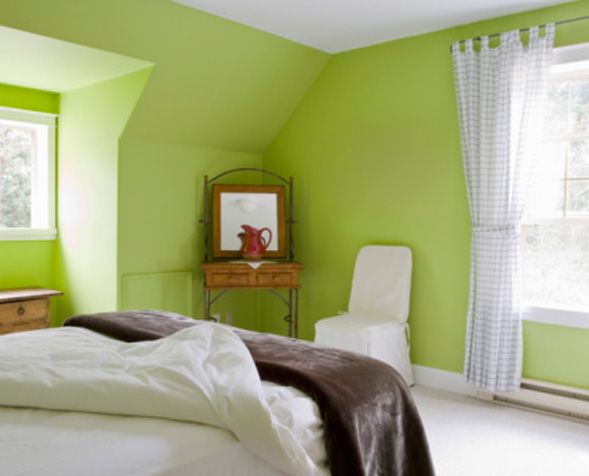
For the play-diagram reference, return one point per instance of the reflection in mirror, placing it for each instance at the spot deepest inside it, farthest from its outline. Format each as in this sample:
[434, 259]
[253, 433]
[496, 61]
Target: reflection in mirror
[255, 209]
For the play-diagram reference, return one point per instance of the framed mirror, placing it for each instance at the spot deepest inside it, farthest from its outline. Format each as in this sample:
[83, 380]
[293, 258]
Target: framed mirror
[260, 206]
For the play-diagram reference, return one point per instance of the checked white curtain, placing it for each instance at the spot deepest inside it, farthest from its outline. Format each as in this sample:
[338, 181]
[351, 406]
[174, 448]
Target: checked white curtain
[500, 94]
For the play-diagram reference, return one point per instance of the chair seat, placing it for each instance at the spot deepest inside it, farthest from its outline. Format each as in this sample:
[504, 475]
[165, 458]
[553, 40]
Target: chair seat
[379, 338]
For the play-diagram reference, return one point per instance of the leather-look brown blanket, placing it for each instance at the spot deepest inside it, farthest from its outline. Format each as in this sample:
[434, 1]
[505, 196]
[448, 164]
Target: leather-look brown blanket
[371, 424]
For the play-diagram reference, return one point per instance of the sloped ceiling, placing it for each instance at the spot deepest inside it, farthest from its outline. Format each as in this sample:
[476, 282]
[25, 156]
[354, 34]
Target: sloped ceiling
[215, 84]
[39, 62]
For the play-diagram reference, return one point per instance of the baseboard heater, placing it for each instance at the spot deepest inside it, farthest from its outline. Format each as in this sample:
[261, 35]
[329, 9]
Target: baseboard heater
[544, 397]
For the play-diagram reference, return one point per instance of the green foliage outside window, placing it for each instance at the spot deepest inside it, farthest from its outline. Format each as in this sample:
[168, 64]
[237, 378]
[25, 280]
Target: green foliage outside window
[16, 147]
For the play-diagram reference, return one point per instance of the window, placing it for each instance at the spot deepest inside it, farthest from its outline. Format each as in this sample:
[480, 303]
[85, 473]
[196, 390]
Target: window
[27, 175]
[555, 235]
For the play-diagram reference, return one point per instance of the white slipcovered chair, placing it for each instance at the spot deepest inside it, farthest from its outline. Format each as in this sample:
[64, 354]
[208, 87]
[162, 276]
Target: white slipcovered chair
[376, 321]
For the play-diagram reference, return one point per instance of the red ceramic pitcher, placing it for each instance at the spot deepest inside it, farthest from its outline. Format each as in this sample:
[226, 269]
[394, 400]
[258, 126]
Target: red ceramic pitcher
[253, 244]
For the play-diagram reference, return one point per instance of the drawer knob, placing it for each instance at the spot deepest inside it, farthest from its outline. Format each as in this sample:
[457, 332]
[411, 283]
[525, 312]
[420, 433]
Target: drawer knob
[20, 311]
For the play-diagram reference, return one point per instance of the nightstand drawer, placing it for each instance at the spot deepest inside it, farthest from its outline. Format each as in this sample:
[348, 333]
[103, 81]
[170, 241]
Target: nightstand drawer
[23, 310]
[24, 315]
[23, 326]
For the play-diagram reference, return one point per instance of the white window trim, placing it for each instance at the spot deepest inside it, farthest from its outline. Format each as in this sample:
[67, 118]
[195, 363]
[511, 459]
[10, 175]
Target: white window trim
[567, 61]
[28, 234]
[46, 119]
[556, 316]
[556, 220]
[570, 58]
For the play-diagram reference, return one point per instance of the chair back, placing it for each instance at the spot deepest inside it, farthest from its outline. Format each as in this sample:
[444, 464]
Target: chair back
[382, 283]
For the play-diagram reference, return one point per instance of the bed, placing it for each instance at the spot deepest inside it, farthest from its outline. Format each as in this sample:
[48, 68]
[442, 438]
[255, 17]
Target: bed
[188, 398]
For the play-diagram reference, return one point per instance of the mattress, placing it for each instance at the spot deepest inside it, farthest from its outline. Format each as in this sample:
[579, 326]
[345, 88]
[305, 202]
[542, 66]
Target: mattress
[58, 443]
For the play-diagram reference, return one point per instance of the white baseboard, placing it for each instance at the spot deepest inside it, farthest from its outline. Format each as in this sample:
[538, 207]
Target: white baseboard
[442, 380]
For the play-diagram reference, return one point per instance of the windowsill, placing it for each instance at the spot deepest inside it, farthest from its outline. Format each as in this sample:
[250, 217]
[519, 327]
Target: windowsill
[21, 234]
[555, 316]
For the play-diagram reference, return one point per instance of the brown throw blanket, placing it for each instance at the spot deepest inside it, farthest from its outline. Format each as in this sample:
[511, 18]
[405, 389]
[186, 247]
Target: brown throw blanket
[371, 425]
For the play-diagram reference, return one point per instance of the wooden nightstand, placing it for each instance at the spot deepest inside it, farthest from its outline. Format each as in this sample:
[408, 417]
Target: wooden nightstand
[25, 309]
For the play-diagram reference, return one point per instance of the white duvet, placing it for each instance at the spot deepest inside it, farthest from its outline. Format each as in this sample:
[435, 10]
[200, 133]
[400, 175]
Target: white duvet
[203, 374]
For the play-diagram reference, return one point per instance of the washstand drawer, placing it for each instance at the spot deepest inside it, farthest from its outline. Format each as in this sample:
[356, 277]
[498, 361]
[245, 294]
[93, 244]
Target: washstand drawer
[278, 279]
[24, 315]
[229, 279]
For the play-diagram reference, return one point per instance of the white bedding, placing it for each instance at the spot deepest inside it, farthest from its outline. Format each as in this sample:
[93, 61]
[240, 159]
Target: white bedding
[51, 443]
[199, 375]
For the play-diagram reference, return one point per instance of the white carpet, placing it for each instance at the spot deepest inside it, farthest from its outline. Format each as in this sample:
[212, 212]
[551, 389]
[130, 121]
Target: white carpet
[469, 437]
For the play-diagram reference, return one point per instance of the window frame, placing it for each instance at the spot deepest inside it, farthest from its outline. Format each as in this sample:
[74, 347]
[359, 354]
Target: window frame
[49, 121]
[565, 61]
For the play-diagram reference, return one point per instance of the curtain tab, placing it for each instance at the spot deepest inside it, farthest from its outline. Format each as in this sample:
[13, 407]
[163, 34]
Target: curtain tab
[508, 37]
[468, 46]
[549, 33]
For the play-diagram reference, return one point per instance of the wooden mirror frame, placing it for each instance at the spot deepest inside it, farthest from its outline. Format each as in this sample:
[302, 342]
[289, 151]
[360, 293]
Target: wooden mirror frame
[280, 237]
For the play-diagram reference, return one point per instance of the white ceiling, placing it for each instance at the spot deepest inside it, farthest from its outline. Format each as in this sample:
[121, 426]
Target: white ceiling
[339, 25]
[40, 62]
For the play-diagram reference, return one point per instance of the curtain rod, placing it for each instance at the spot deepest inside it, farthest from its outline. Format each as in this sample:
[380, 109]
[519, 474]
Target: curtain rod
[494, 35]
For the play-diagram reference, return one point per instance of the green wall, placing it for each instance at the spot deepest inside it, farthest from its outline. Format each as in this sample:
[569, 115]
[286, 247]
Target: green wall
[375, 150]
[160, 203]
[25, 263]
[92, 120]
[29, 99]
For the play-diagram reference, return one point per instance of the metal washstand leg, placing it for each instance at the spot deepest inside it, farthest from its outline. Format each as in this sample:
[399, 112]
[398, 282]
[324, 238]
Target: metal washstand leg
[207, 304]
[295, 314]
[290, 313]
